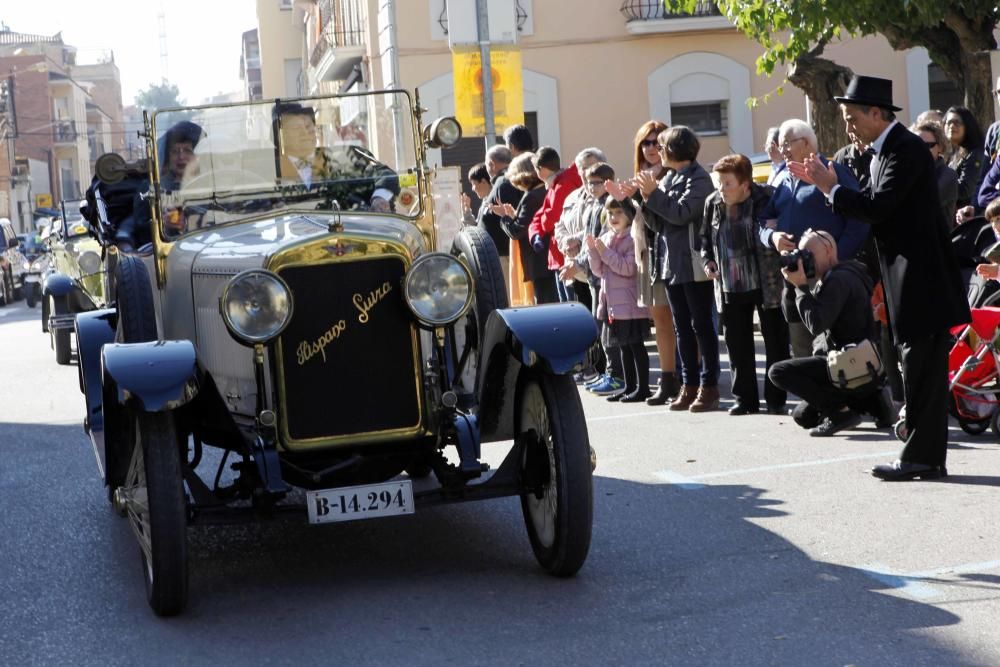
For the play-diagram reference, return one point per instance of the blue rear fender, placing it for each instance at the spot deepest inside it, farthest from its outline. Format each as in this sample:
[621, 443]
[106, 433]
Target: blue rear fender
[551, 339]
[57, 284]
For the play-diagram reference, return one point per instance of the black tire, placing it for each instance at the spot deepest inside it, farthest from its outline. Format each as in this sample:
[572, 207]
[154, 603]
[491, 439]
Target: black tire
[6, 292]
[136, 315]
[995, 423]
[29, 298]
[974, 427]
[559, 512]
[475, 247]
[60, 338]
[164, 524]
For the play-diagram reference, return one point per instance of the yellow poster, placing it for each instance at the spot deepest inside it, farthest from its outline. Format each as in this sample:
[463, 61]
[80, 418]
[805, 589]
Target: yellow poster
[508, 93]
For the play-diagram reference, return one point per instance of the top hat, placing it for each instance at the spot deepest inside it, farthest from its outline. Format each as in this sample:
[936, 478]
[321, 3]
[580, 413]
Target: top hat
[869, 91]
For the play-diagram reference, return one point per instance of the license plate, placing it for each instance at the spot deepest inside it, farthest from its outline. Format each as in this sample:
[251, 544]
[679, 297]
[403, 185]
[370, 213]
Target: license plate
[351, 503]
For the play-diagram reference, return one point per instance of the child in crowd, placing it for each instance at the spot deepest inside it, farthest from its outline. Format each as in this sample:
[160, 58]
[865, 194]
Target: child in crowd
[993, 217]
[593, 219]
[626, 324]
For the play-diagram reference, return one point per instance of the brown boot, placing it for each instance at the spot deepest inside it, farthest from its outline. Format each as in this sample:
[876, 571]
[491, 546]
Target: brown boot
[708, 399]
[684, 399]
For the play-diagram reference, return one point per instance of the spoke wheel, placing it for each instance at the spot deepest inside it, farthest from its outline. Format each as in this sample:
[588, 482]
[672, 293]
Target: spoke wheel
[152, 498]
[60, 337]
[557, 500]
[475, 247]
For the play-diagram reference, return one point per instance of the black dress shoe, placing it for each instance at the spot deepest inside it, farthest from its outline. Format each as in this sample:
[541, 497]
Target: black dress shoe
[637, 396]
[743, 409]
[614, 398]
[776, 410]
[899, 471]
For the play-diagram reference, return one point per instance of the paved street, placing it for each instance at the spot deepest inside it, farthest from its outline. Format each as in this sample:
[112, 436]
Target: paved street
[717, 541]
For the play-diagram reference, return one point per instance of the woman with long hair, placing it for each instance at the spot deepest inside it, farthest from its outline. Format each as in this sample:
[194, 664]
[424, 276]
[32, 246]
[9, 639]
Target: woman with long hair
[966, 139]
[647, 159]
[515, 222]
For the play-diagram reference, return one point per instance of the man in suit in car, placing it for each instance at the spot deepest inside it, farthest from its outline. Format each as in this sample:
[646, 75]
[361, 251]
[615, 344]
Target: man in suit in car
[923, 289]
[349, 173]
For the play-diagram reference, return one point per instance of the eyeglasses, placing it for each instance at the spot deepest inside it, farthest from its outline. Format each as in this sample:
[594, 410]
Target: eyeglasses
[646, 143]
[661, 148]
[785, 145]
[930, 144]
[953, 121]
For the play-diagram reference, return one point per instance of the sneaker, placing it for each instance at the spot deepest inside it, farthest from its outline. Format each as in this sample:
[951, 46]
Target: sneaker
[612, 386]
[835, 423]
[596, 381]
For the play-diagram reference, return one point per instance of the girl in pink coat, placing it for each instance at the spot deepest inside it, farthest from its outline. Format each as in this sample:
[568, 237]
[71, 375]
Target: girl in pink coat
[626, 324]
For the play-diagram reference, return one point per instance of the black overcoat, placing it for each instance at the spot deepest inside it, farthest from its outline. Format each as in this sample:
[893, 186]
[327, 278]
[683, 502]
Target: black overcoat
[923, 288]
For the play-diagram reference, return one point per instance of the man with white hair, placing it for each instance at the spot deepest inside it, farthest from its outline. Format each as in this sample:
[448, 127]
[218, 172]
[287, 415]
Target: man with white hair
[502, 192]
[797, 206]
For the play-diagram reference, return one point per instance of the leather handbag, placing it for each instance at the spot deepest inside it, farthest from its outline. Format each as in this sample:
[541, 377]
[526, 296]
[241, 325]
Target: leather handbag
[854, 366]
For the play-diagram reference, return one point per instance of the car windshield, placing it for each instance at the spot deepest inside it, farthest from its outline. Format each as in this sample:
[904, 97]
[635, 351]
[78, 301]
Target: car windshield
[221, 164]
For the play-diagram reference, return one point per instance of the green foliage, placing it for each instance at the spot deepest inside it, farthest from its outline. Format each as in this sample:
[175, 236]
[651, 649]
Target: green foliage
[788, 29]
[158, 96]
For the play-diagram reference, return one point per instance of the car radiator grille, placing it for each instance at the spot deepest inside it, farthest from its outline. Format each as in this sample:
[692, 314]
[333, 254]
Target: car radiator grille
[348, 358]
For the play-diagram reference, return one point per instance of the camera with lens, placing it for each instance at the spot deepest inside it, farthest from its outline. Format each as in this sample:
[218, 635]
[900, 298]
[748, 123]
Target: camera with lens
[791, 261]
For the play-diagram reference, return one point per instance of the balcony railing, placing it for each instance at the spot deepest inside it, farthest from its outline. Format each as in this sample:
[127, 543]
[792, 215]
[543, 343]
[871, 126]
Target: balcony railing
[64, 132]
[648, 10]
[341, 24]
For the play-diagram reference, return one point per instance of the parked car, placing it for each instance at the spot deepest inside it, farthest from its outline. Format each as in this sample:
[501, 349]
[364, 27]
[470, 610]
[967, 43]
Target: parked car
[11, 264]
[75, 280]
[314, 320]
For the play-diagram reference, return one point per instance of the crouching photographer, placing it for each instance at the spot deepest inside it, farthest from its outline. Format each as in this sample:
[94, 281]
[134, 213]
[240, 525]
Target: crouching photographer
[843, 377]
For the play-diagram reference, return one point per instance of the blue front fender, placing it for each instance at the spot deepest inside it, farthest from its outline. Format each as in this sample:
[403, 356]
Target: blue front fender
[549, 339]
[57, 284]
[94, 330]
[153, 377]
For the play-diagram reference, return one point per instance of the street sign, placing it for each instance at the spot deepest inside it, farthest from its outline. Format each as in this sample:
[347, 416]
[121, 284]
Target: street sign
[508, 92]
[43, 200]
[463, 28]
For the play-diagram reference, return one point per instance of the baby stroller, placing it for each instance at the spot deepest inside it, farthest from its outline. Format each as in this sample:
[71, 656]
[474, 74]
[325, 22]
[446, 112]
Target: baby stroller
[973, 360]
[973, 376]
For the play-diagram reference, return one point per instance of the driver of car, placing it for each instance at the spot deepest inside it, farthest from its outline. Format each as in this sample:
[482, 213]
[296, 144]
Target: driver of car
[365, 183]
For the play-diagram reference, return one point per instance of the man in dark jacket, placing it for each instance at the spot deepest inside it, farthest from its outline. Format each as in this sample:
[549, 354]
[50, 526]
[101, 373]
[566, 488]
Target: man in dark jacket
[502, 192]
[920, 275]
[837, 312]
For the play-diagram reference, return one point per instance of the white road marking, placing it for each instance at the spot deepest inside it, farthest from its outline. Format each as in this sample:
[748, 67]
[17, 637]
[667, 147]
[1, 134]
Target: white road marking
[694, 481]
[908, 585]
[628, 414]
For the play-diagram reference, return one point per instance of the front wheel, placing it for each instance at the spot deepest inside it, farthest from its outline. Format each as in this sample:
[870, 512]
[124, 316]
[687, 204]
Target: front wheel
[153, 500]
[557, 500]
[60, 337]
[29, 297]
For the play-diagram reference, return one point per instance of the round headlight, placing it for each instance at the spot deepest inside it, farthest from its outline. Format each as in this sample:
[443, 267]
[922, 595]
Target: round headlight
[438, 289]
[256, 306]
[90, 262]
[444, 132]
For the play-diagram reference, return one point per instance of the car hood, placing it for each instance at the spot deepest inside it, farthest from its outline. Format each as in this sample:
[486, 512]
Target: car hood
[232, 248]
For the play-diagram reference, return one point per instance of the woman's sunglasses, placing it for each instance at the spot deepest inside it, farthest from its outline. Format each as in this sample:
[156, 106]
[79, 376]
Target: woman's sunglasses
[646, 143]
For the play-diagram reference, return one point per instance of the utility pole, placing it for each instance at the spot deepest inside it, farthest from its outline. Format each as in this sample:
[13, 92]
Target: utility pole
[483, 26]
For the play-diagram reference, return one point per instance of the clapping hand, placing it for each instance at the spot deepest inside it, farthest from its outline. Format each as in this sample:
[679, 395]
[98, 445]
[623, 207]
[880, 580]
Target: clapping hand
[988, 271]
[813, 171]
[712, 270]
[646, 182]
[466, 203]
[964, 214]
[621, 190]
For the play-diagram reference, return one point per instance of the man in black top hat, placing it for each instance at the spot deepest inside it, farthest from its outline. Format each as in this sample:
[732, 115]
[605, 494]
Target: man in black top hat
[922, 285]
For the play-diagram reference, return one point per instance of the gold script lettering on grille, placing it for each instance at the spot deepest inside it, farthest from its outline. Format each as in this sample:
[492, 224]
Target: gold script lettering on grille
[307, 350]
[365, 304]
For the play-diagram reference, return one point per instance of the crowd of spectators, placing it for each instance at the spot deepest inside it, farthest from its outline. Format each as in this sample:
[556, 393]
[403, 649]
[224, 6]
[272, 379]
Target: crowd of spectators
[690, 252]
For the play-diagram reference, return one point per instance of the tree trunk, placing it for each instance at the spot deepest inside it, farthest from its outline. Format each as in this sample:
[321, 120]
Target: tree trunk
[978, 86]
[821, 79]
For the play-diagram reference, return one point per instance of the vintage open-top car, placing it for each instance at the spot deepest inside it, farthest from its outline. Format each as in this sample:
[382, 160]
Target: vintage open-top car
[74, 282]
[294, 313]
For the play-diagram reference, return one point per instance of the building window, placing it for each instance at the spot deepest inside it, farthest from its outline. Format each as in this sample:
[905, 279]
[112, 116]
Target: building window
[705, 118]
[285, 4]
[943, 91]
